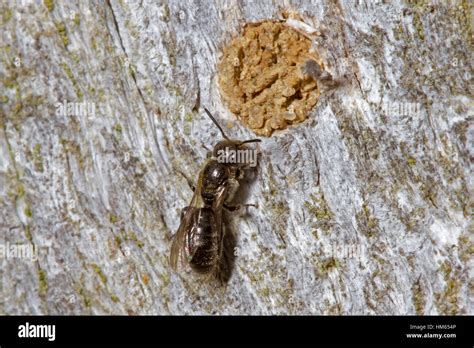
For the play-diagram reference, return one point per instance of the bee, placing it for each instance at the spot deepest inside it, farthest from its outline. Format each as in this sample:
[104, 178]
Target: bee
[200, 237]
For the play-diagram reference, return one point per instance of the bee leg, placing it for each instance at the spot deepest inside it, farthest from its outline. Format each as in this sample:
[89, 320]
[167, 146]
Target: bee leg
[239, 206]
[209, 152]
[190, 183]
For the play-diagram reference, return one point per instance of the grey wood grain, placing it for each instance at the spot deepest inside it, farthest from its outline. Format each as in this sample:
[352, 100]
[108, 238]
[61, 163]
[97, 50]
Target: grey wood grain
[98, 194]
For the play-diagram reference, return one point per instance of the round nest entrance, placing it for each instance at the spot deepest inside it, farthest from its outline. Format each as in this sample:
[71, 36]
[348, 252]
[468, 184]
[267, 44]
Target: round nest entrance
[262, 77]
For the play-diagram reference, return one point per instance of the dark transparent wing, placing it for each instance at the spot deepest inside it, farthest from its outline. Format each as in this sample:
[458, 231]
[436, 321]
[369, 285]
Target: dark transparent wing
[219, 200]
[217, 209]
[178, 245]
[179, 238]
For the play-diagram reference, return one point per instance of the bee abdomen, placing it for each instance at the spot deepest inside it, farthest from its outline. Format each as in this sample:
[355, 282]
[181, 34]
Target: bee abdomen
[203, 244]
[204, 261]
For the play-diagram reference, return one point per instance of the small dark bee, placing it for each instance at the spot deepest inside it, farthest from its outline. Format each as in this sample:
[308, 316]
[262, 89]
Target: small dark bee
[200, 236]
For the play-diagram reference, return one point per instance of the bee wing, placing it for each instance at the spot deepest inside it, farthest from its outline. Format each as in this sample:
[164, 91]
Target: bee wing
[179, 238]
[219, 200]
[178, 245]
[217, 206]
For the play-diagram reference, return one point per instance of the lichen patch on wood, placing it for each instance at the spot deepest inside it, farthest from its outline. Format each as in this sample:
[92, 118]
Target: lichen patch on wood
[263, 77]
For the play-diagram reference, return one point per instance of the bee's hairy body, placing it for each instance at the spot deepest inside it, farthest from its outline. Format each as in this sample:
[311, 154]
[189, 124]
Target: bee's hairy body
[204, 237]
[201, 233]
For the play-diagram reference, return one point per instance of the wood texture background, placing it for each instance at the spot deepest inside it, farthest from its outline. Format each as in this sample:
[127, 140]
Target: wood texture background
[99, 194]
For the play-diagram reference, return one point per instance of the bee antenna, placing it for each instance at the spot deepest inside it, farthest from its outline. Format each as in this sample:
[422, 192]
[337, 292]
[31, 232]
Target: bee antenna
[251, 141]
[217, 124]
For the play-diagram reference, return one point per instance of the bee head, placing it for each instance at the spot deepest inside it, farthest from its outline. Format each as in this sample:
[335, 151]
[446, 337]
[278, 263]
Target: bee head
[233, 151]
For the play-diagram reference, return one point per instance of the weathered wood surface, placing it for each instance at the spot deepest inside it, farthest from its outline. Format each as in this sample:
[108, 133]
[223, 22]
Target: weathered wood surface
[98, 193]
